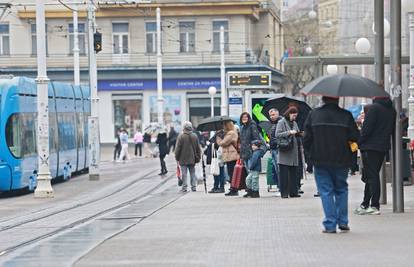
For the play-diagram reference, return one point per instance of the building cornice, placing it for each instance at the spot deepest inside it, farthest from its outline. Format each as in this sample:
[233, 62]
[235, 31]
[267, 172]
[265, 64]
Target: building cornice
[251, 8]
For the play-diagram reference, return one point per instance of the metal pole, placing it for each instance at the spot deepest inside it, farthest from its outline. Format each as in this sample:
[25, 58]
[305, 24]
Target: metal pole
[76, 74]
[223, 75]
[395, 54]
[44, 188]
[93, 121]
[160, 99]
[411, 85]
[379, 74]
[212, 106]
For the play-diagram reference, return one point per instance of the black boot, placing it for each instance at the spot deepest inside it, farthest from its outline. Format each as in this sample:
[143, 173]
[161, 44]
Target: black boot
[248, 193]
[255, 194]
[232, 192]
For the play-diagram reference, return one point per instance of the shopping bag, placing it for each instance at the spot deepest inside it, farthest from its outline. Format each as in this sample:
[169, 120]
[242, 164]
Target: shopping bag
[238, 181]
[214, 166]
[178, 173]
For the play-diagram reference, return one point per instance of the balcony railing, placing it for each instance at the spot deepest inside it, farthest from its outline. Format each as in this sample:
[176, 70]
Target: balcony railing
[126, 60]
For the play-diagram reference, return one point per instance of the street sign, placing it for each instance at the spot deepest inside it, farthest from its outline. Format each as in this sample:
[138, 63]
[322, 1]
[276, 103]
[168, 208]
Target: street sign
[249, 79]
[235, 103]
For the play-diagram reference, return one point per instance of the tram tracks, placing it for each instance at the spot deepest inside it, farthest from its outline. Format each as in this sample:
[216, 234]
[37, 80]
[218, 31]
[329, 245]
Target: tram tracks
[67, 212]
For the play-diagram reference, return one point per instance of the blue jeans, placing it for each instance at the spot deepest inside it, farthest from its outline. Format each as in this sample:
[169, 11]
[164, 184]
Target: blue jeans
[333, 188]
[219, 179]
[275, 169]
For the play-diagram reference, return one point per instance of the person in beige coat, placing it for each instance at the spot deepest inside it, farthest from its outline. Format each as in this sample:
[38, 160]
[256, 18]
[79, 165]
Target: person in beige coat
[229, 149]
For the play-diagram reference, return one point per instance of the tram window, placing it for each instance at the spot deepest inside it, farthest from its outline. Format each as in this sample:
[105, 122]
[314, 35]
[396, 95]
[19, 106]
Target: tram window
[21, 134]
[52, 133]
[66, 129]
[79, 120]
[13, 135]
[28, 131]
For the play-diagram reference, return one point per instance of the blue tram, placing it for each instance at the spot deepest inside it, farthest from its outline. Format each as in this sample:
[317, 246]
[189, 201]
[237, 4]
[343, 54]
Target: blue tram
[69, 108]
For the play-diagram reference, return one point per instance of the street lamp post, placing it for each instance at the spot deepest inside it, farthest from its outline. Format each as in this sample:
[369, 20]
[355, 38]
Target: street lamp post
[44, 187]
[93, 120]
[223, 75]
[408, 6]
[160, 99]
[395, 63]
[212, 92]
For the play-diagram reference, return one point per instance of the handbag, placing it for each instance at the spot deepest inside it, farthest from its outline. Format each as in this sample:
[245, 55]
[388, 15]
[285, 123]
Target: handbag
[214, 166]
[285, 144]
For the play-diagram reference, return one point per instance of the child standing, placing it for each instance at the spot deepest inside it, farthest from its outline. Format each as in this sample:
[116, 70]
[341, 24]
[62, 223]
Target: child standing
[254, 167]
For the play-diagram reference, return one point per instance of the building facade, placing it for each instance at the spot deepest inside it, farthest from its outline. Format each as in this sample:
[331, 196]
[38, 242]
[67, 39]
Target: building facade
[127, 86]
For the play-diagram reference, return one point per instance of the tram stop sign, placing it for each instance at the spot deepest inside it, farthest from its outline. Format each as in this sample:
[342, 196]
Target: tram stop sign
[249, 79]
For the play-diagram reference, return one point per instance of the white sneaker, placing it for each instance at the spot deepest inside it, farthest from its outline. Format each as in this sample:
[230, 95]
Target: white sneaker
[277, 194]
[373, 211]
[360, 211]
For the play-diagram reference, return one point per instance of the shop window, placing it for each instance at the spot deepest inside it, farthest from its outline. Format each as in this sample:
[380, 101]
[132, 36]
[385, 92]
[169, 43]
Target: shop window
[200, 108]
[127, 115]
[172, 110]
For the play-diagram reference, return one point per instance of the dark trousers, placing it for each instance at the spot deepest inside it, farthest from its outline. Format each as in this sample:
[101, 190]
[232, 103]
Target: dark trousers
[219, 179]
[354, 166]
[288, 184]
[138, 146]
[117, 152]
[163, 166]
[372, 161]
[230, 168]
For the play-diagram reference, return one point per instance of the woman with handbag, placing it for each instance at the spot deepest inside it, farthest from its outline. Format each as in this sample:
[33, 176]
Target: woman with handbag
[230, 155]
[288, 159]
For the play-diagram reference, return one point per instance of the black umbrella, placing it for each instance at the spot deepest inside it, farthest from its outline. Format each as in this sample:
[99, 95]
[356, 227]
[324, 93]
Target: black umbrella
[282, 103]
[344, 85]
[212, 123]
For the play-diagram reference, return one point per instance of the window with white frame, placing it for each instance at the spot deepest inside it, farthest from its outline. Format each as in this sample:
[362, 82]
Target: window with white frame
[216, 35]
[34, 39]
[81, 38]
[151, 37]
[120, 36]
[4, 39]
[187, 36]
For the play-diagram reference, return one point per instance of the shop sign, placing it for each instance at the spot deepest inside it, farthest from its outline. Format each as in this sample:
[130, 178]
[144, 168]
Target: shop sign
[168, 84]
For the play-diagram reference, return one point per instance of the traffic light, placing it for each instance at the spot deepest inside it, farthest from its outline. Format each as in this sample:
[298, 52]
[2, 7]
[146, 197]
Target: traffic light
[97, 41]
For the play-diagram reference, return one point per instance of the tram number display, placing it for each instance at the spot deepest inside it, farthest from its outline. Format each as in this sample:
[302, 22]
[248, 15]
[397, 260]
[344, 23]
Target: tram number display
[249, 80]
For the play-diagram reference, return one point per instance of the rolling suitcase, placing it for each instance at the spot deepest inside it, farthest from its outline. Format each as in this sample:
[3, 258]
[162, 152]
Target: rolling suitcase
[238, 181]
[269, 174]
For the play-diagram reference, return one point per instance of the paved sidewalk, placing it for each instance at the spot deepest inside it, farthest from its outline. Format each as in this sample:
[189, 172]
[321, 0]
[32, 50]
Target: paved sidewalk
[211, 230]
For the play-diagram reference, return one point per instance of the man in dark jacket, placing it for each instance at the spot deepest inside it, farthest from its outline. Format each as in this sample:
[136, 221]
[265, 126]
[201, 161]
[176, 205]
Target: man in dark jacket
[328, 131]
[188, 153]
[274, 119]
[374, 143]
